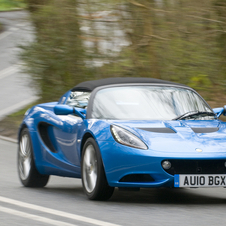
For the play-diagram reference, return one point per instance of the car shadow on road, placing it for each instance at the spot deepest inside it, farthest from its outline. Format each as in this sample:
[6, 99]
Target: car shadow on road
[171, 196]
[63, 190]
[66, 190]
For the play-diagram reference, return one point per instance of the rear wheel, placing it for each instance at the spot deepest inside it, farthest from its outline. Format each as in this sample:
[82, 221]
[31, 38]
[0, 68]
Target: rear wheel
[28, 174]
[93, 176]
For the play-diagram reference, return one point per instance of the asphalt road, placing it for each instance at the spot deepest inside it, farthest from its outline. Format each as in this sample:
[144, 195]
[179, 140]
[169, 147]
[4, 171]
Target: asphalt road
[15, 87]
[62, 202]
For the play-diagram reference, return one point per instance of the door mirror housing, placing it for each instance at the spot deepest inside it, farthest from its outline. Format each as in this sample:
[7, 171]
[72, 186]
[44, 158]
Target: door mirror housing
[62, 109]
[220, 111]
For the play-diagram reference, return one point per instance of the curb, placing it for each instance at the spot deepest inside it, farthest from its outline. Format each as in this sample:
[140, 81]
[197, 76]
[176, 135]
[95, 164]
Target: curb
[8, 139]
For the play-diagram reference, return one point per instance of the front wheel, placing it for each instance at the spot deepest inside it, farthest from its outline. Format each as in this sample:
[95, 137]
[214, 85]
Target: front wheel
[93, 176]
[28, 174]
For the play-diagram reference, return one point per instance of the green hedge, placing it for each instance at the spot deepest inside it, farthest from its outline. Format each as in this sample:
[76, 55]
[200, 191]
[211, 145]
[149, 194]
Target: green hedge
[11, 4]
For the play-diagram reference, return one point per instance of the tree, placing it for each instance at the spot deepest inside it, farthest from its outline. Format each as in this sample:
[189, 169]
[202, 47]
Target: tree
[55, 60]
[181, 41]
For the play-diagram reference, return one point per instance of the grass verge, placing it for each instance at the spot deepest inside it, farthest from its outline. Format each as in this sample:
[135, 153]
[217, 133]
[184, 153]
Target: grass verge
[6, 5]
[10, 124]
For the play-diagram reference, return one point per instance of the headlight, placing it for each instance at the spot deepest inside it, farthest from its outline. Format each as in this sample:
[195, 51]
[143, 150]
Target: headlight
[126, 138]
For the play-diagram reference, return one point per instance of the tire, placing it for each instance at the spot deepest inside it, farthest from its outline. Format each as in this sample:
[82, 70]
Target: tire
[28, 174]
[94, 179]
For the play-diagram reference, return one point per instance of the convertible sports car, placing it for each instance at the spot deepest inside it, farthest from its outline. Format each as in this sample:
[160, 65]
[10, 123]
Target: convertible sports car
[126, 133]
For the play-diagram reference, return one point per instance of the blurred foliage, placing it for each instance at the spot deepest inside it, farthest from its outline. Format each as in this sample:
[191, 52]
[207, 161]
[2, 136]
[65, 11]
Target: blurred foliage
[76, 40]
[220, 8]
[34, 5]
[55, 58]
[201, 82]
[11, 4]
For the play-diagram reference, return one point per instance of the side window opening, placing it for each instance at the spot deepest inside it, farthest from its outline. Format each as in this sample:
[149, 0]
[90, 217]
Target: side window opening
[78, 99]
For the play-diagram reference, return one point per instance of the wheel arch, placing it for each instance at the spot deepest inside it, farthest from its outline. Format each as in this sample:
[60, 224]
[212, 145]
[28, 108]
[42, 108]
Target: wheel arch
[22, 126]
[33, 178]
[102, 189]
[86, 136]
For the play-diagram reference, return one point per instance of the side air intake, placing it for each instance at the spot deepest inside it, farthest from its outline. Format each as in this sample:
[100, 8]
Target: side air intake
[43, 131]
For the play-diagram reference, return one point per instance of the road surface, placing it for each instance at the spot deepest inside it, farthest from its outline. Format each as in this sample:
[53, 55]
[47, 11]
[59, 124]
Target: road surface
[15, 87]
[62, 202]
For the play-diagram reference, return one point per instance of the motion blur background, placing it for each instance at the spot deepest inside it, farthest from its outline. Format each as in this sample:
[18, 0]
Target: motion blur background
[177, 40]
[77, 40]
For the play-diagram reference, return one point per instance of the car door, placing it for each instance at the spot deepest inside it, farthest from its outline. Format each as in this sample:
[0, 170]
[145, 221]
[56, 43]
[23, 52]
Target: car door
[66, 136]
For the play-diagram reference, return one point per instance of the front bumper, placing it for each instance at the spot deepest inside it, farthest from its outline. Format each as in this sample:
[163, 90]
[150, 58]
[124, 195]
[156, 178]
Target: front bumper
[120, 161]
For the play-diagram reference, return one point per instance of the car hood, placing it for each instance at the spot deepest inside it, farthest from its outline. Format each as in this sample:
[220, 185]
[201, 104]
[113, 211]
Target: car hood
[184, 136]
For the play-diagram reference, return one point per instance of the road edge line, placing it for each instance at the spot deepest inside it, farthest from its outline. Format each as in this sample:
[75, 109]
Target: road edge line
[34, 217]
[57, 212]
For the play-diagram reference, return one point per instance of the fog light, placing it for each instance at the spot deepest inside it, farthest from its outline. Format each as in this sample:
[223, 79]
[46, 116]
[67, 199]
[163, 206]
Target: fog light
[166, 165]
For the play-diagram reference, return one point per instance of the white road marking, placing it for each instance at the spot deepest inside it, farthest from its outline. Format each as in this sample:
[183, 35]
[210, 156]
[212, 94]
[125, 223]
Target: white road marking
[11, 30]
[56, 212]
[34, 217]
[14, 29]
[9, 71]
[21, 25]
[5, 34]
[17, 106]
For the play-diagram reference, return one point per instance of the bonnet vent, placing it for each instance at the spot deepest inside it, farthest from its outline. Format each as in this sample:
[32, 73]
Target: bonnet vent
[205, 130]
[158, 130]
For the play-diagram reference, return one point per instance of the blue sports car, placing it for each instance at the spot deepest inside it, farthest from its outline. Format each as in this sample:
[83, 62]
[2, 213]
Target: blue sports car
[129, 133]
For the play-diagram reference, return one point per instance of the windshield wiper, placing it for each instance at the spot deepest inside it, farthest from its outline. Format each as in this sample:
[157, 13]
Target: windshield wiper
[194, 113]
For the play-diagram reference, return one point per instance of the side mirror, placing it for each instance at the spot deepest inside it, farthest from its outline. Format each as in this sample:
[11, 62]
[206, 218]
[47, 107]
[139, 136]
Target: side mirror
[220, 111]
[62, 109]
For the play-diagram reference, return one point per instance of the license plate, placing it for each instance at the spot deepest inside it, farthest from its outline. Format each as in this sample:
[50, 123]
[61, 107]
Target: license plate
[194, 180]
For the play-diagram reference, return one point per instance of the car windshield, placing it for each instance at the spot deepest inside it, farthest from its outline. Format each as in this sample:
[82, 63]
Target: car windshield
[148, 103]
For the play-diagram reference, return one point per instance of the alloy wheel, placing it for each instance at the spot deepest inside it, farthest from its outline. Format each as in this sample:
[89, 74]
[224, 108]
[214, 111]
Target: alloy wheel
[90, 168]
[24, 157]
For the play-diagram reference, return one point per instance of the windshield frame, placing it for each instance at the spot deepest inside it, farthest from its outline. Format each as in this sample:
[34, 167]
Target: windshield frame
[96, 90]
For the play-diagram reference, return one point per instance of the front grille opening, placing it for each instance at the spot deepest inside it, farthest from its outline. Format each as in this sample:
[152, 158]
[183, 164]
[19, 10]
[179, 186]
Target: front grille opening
[137, 178]
[181, 166]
